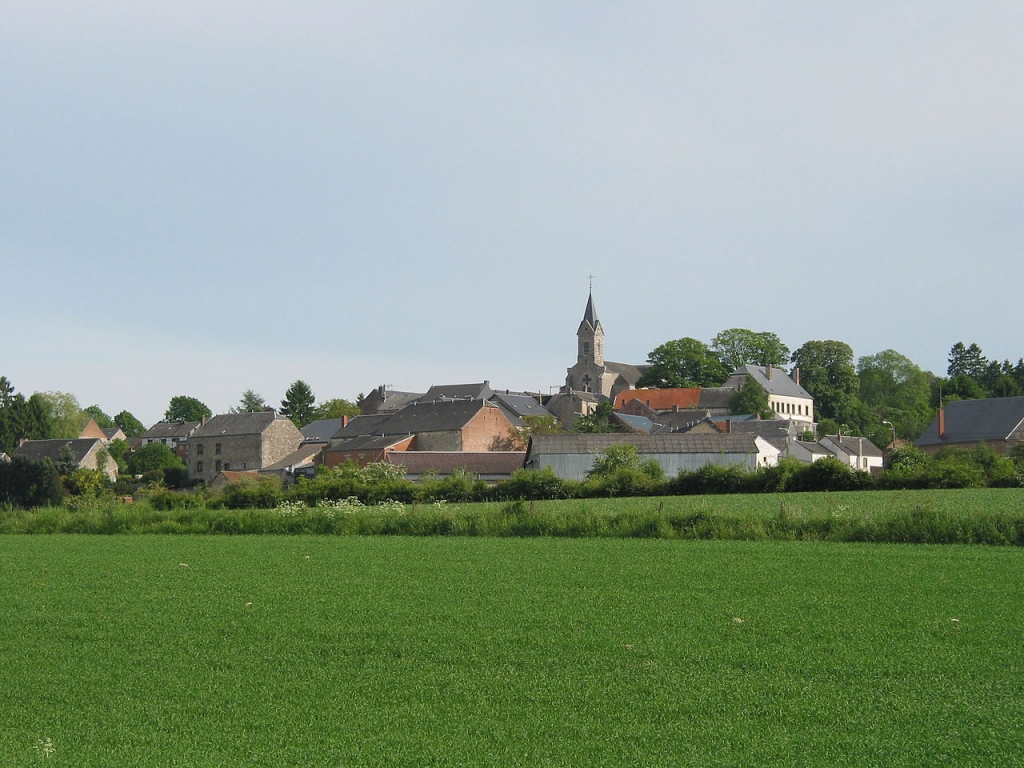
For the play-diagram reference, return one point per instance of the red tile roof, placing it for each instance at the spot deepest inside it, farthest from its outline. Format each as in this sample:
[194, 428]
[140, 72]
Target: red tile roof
[660, 399]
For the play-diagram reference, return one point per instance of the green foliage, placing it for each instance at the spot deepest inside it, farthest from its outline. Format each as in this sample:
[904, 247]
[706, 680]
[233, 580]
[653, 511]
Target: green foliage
[96, 413]
[154, 456]
[737, 347]
[335, 408]
[684, 363]
[64, 414]
[26, 484]
[128, 424]
[601, 420]
[532, 484]
[828, 374]
[251, 402]
[250, 493]
[751, 398]
[298, 403]
[183, 408]
[624, 456]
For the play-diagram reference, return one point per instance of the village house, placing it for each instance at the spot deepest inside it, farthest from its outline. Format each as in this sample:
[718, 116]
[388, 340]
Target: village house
[856, 452]
[997, 422]
[240, 442]
[86, 452]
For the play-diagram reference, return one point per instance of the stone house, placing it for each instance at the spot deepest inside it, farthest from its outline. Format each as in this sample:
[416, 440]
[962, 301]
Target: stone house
[173, 434]
[364, 449]
[435, 425]
[240, 442]
[88, 452]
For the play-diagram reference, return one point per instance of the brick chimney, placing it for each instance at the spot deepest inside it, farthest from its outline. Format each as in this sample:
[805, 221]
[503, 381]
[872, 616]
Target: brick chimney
[796, 376]
[942, 422]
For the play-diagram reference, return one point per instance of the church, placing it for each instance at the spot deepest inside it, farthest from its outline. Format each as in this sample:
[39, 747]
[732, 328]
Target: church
[592, 373]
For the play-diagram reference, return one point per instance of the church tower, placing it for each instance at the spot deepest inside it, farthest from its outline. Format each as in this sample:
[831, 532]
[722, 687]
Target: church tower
[590, 337]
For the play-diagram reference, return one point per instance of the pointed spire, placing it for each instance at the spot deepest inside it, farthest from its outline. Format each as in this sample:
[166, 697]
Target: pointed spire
[590, 315]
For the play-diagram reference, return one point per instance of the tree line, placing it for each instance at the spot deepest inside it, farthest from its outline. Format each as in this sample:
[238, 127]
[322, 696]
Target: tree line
[876, 396]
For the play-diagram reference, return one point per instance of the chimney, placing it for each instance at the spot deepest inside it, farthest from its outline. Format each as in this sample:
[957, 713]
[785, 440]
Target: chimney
[344, 421]
[768, 371]
[796, 376]
[942, 422]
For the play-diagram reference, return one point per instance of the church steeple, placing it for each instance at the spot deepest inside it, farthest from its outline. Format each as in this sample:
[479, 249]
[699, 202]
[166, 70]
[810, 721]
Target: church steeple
[590, 336]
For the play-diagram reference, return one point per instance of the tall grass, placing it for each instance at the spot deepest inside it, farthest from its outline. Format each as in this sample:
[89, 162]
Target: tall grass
[976, 516]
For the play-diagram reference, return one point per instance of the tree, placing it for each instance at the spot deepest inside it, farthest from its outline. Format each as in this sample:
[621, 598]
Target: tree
[298, 403]
[967, 361]
[600, 420]
[737, 347]
[96, 414]
[183, 408]
[828, 374]
[251, 402]
[335, 408]
[519, 438]
[152, 457]
[128, 424]
[624, 457]
[67, 419]
[895, 390]
[751, 398]
[683, 363]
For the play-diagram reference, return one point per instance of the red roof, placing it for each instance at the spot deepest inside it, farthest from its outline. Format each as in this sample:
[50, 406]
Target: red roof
[661, 399]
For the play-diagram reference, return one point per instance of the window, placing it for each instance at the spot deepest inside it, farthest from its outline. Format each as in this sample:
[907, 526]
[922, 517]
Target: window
[217, 466]
[227, 465]
[216, 449]
[586, 347]
[199, 467]
[199, 449]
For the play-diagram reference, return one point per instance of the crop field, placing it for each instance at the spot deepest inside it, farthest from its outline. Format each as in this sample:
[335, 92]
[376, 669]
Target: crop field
[435, 651]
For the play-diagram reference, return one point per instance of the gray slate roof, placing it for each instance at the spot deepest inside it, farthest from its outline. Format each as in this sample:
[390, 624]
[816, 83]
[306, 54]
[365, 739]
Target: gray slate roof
[170, 429]
[969, 421]
[516, 405]
[254, 423]
[365, 442]
[481, 391]
[779, 384]
[439, 416]
[38, 450]
[856, 446]
[659, 443]
[321, 430]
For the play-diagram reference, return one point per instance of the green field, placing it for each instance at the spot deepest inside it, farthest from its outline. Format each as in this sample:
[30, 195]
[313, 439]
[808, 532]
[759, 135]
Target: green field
[385, 651]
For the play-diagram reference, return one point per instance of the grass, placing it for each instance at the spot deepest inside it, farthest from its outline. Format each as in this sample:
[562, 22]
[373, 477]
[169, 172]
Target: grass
[977, 516]
[385, 651]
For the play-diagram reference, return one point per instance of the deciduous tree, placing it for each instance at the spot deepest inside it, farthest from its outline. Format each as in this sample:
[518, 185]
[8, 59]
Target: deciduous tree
[828, 374]
[737, 347]
[683, 362]
[183, 408]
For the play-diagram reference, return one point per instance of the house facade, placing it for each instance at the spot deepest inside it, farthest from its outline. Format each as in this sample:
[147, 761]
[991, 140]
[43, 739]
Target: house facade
[87, 452]
[856, 452]
[785, 395]
[240, 442]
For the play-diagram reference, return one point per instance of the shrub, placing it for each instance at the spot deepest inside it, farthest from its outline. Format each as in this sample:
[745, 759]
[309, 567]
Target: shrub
[251, 493]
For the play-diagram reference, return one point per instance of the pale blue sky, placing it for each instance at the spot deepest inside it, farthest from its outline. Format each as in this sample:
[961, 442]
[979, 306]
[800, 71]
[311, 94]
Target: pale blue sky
[205, 197]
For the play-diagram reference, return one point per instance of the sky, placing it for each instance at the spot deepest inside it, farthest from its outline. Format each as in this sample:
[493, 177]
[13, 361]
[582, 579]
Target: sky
[204, 197]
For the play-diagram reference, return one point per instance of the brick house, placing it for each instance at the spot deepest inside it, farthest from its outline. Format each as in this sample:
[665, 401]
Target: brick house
[240, 442]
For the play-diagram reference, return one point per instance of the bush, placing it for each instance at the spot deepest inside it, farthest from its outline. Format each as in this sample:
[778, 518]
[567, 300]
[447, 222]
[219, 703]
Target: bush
[250, 493]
